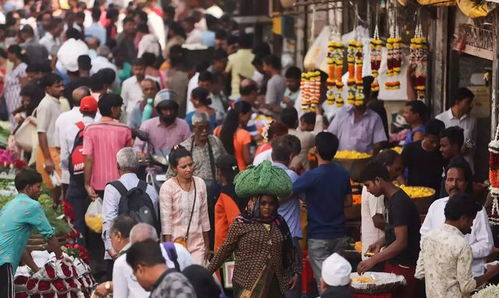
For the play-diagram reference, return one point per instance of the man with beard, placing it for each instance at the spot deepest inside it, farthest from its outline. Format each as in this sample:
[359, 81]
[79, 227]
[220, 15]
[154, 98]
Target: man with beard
[458, 179]
[446, 256]
[166, 130]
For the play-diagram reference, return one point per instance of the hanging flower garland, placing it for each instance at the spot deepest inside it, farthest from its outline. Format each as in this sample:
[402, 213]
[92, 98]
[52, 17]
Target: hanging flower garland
[419, 58]
[494, 178]
[351, 51]
[376, 47]
[335, 73]
[331, 73]
[359, 59]
[394, 55]
[310, 90]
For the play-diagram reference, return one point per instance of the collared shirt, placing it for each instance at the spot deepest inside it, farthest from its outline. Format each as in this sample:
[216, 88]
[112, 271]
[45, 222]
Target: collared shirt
[480, 239]
[67, 134]
[131, 92]
[97, 31]
[47, 113]
[445, 264]
[201, 157]
[111, 202]
[240, 64]
[101, 141]
[50, 43]
[184, 257]
[17, 219]
[358, 135]
[172, 284]
[467, 123]
[290, 209]
[370, 206]
[163, 137]
[124, 286]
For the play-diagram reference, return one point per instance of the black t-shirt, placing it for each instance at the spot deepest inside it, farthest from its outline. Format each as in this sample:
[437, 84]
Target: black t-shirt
[423, 168]
[401, 211]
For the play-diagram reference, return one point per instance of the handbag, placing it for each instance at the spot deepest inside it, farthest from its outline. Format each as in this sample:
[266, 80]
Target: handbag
[183, 240]
[23, 136]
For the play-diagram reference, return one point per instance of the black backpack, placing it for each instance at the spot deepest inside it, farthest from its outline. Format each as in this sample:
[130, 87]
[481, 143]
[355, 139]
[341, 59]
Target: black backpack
[137, 204]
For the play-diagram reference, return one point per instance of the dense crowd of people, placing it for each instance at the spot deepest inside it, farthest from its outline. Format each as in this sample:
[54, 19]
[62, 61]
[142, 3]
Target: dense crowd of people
[198, 161]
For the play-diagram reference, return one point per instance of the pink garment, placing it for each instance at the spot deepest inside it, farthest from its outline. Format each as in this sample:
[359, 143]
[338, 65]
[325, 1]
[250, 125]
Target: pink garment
[162, 137]
[176, 206]
[101, 141]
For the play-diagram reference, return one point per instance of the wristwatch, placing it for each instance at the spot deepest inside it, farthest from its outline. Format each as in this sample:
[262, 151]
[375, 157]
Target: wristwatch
[107, 286]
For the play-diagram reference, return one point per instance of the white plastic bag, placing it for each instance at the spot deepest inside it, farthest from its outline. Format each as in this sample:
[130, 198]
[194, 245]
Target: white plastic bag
[93, 216]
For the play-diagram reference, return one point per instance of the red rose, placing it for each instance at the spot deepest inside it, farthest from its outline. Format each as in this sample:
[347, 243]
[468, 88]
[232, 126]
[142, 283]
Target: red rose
[21, 295]
[50, 270]
[71, 283]
[31, 284]
[60, 286]
[21, 280]
[19, 164]
[65, 269]
[68, 211]
[73, 269]
[43, 286]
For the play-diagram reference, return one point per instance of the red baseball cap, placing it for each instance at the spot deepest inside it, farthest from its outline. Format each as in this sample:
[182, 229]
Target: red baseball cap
[88, 104]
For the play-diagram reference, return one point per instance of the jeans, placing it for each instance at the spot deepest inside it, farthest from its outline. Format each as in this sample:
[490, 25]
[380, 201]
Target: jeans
[77, 197]
[321, 249]
[296, 292]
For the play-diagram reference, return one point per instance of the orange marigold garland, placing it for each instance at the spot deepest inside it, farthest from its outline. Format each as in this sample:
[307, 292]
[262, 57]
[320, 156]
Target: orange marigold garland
[494, 178]
[311, 89]
[305, 91]
[351, 50]
[419, 58]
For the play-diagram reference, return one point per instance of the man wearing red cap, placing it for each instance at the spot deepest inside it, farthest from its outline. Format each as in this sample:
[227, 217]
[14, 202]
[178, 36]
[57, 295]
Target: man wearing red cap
[77, 196]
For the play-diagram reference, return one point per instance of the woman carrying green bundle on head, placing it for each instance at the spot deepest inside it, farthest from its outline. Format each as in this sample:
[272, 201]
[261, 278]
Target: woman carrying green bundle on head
[259, 237]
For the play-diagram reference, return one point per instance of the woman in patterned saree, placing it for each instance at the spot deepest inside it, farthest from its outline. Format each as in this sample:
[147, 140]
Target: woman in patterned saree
[259, 237]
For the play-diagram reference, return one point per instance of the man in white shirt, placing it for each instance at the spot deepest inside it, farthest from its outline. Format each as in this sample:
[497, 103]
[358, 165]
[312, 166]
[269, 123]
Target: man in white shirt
[194, 35]
[66, 123]
[51, 40]
[459, 115]
[71, 126]
[458, 179]
[123, 285]
[445, 258]
[131, 92]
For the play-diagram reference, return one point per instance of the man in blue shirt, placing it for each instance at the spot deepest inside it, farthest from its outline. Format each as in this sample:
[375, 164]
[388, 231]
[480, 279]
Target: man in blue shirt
[327, 191]
[18, 218]
[283, 150]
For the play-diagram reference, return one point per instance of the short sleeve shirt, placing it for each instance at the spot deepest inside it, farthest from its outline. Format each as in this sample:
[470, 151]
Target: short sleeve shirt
[358, 135]
[276, 87]
[17, 219]
[47, 113]
[401, 211]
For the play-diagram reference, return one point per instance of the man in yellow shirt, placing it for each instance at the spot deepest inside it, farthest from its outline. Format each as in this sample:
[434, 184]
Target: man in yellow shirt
[239, 64]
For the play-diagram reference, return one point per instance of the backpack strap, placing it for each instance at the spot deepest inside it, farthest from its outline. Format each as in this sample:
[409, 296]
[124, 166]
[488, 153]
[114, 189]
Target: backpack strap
[172, 253]
[120, 187]
[80, 125]
[142, 185]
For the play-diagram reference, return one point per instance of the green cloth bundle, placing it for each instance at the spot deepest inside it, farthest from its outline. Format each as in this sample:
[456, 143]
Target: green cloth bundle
[264, 179]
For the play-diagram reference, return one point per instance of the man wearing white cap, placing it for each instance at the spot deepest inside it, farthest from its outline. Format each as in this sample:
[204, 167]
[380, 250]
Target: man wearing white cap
[335, 277]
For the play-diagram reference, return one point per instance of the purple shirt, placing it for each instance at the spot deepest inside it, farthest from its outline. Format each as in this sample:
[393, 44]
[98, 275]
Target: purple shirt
[161, 137]
[357, 135]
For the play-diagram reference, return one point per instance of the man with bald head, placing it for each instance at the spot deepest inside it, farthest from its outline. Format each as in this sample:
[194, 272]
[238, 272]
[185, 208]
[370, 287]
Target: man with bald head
[66, 120]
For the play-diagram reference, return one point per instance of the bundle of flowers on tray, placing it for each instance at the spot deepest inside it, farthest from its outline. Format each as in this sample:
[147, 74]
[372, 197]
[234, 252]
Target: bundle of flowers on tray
[68, 276]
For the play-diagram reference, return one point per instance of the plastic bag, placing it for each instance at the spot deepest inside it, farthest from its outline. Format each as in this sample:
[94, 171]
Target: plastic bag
[93, 216]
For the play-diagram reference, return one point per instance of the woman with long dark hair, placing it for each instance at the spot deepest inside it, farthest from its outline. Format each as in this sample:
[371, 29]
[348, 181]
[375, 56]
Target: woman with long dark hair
[184, 207]
[228, 205]
[259, 238]
[235, 138]
[13, 79]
